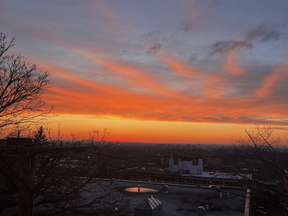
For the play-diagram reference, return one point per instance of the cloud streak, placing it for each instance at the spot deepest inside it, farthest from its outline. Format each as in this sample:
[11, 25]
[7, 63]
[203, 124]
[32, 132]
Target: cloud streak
[229, 46]
[272, 81]
[155, 49]
[263, 33]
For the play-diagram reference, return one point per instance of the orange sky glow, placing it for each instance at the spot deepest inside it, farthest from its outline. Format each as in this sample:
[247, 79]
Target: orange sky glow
[191, 72]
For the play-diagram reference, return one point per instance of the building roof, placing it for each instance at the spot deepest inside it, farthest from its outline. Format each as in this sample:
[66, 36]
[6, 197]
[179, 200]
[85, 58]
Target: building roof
[217, 175]
[149, 203]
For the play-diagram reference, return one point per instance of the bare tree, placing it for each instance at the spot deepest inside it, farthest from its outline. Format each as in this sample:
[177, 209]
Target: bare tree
[72, 180]
[68, 179]
[259, 154]
[21, 87]
[65, 175]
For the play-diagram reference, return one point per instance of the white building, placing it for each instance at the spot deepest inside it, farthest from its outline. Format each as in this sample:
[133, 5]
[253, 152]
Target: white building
[186, 166]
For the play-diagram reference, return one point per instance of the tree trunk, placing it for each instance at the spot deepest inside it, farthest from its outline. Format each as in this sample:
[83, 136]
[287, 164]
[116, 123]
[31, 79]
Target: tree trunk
[27, 174]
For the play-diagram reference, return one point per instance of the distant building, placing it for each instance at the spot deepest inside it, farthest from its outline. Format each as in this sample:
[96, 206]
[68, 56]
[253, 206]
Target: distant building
[151, 206]
[186, 167]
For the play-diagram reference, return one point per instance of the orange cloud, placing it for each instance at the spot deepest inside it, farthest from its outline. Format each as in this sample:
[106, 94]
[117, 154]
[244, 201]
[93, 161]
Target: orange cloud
[272, 81]
[60, 72]
[231, 66]
[129, 105]
[214, 87]
[176, 66]
[83, 96]
[134, 76]
[211, 86]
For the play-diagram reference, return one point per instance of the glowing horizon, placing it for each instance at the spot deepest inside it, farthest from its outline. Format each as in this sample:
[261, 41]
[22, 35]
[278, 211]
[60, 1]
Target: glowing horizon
[123, 130]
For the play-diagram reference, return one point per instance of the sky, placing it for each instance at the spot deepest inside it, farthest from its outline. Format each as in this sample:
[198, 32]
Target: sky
[163, 71]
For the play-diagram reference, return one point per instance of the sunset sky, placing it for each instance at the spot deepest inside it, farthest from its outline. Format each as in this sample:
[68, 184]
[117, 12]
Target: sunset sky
[162, 71]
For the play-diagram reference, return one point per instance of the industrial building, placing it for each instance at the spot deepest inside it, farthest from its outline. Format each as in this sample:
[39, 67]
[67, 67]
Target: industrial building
[186, 167]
